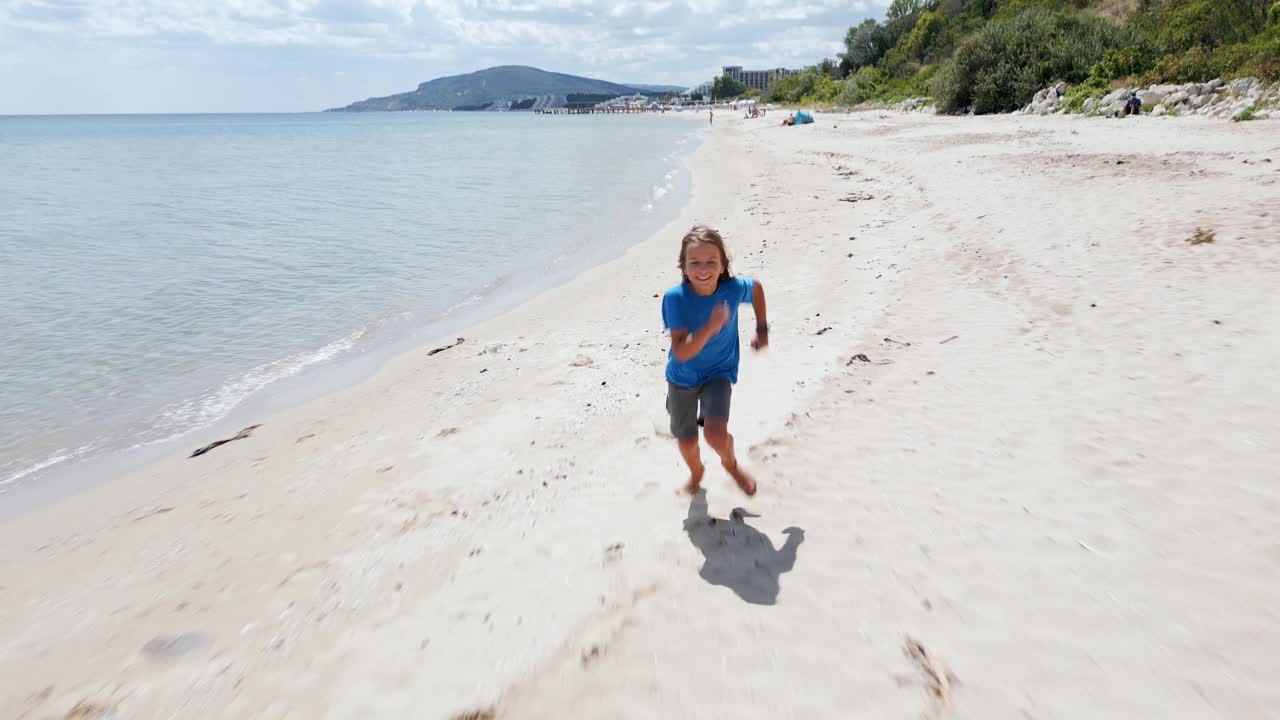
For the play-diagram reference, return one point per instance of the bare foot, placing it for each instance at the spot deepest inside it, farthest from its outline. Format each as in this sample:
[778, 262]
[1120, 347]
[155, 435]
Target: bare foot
[695, 481]
[746, 483]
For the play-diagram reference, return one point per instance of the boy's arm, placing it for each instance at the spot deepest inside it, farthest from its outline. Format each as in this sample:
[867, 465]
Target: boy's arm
[684, 344]
[762, 317]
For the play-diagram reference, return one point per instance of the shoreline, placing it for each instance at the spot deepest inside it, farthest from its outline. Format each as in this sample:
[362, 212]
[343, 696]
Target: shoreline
[88, 465]
[992, 413]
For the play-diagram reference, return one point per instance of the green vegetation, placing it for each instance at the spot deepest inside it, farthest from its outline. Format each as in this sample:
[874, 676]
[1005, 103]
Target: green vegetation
[1247, 113]
[994, 55]
[725, 87]
[579, 100]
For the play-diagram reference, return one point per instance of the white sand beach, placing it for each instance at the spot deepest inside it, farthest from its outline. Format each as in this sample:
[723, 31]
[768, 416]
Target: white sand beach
[1016, 441]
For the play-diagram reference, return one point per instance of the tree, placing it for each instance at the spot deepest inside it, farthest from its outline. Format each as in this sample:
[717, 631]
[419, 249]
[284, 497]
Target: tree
[726, 87]
[829, 68]
[1252, 12]
[864, 45]
[902, 8]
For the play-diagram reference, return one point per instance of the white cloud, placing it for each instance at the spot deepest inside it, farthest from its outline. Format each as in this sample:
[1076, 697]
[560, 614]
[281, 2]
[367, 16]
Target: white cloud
[680, 41]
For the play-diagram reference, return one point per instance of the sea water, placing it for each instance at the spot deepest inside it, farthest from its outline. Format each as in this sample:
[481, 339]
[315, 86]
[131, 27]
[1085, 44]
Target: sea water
[157, 272]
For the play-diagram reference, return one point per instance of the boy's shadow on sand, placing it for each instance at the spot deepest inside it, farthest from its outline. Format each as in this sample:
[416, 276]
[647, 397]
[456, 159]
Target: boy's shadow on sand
[737, 555]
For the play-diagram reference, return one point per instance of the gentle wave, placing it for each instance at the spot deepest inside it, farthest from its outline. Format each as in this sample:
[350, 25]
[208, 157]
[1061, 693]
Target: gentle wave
[216, 403]
[60, 457]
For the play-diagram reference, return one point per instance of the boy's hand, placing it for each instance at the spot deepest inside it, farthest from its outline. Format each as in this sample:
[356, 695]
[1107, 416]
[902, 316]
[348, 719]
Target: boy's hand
[719, 316]
[761, 340]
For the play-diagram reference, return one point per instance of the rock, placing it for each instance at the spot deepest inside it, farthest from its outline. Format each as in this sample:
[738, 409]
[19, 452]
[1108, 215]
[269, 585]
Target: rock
[1151, 97]
[1176, 98]
[1060, 88]
[1116, 95]
[1159, 111]
[1039, 97]
[1241, 86]
[1213, 85]
[1199, 101]
[1090, 104]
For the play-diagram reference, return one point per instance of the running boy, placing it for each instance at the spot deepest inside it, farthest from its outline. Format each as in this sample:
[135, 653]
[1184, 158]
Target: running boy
[702, 366]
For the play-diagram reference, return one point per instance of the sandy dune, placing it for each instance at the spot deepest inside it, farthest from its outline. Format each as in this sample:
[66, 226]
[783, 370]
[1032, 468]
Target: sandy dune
[1016, 440]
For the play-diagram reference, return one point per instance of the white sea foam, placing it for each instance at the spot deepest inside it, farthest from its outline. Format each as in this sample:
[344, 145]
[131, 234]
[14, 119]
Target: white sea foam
[215, 404]
[61, 456]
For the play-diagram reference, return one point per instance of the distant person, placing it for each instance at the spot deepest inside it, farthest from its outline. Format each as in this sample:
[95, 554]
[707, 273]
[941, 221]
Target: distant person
[701, 314]
[711, 117]
[1133, 106]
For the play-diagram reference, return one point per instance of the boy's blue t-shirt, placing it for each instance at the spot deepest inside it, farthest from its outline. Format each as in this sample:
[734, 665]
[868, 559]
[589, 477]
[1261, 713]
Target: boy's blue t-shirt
[683, 309]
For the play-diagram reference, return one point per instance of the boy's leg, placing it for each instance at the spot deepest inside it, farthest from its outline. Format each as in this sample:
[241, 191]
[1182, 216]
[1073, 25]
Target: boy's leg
[716, 396]
[682, 405]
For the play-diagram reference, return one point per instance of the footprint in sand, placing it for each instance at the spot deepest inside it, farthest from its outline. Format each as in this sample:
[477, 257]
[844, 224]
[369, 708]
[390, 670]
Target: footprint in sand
[166, 648]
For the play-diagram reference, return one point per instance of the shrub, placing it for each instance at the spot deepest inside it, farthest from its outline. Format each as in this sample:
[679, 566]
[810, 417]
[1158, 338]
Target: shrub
[1126, 62]
[1091, 88]
[859, 87]
[1182, 25]
[791, 88]
[824, 90]
[926, 36]
[898, 89]
[1258, 58]
[1246, 114]
[1001, 67]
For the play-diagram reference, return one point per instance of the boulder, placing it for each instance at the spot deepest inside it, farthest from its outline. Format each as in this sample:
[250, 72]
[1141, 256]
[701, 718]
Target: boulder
[1199, 101]
[1151, 97]
[1177, 98]
[1241, 86]
[1159, 111]
[1090, 104]
[1039, 97]
[1060, 88]
[1115, 96]
[1213, 85]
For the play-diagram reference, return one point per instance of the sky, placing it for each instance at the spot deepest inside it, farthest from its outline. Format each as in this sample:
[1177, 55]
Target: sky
[151, 56]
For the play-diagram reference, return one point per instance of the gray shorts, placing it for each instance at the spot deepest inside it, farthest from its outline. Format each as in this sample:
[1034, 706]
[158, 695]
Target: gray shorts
[683, 402]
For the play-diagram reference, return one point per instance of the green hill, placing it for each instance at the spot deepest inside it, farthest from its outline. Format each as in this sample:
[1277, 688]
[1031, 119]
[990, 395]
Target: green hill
[994, 55]
[481, 89]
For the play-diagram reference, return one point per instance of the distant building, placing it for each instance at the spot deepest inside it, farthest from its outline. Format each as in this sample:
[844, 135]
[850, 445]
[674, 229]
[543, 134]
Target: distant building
[696, 94]
[758, 79]
[623, 101]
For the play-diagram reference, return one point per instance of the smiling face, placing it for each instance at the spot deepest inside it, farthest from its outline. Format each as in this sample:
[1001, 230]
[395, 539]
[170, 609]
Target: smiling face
[703, 266]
